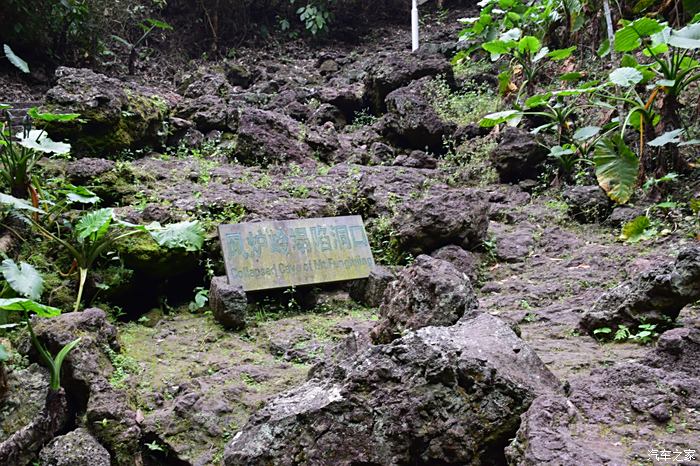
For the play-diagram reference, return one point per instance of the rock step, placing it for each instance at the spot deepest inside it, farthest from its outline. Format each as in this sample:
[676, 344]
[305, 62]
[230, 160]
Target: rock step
[18, 110]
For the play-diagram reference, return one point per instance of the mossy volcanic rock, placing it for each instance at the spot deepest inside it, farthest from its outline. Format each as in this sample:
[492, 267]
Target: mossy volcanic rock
[114, 115]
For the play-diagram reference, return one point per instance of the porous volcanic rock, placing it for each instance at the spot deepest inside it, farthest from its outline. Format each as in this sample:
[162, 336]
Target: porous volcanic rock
[76, 448]
[440, 395]
[654, 297]
[412, 120]
[631, 402]
[113, 115]
[430, 292]
[449, 217]
[518, 156]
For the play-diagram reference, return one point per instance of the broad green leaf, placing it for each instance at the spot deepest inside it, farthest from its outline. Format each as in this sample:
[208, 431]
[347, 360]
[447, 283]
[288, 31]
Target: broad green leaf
[538, 100]
[669, 137]
[80, 195]
[529, 44]
[39, 141]
[558, 151]
[626, 77]
[511, 35]
[51, 117]
[497, 118]
[25, 279]
[604, 49]
[15, 60]
[586, 133]
[504, 78]
[94, 224]
[561, 54]
[122, 41]
[18, 204]
[159, 24]
[687, 38]
[572, 76]
[616, 168]
[497, 48]
[4, 355]
[665, 83]
[27, 305]
[629, 38]
[637, 230]
[628, 61]
[186, 235]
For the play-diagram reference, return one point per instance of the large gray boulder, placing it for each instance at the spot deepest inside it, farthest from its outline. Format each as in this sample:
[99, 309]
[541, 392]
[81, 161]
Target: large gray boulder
[390, 71]
[654, 297]
[113, 115]
[370, 291]
[430, 292]
[440, 395]
[457, 217]
[266, 137]
[412, 120]
[518, 156]
[76, 448]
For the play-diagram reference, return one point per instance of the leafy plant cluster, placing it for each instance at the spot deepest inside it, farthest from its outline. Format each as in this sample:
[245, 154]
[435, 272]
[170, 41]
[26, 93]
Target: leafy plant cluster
[72, 31]
[498, 19]
[644, 334]
[640, 130]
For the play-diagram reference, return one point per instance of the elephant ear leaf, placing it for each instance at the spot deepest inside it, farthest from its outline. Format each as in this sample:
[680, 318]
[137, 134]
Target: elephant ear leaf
[15, 60]
[185, 235]
[94, 225]
[27, 305]
[24, 279]
[616, 168]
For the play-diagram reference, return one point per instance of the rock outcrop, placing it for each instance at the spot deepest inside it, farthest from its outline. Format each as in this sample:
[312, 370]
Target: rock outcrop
[518, 156]
[85, 375]
[370, 291]
[412, 120]
[439, 219]
[588, 204]
[430, 292]
[440, 395]
[632, 402]
[76, 448]
[113, 115]
[228, 302]
[654, 297]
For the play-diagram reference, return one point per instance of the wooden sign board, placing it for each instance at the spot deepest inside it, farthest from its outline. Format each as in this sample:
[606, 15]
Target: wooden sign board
[277, 254]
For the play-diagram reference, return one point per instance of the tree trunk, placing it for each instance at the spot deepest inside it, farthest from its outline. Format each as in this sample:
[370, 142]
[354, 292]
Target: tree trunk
[26, 442]
[669, 157]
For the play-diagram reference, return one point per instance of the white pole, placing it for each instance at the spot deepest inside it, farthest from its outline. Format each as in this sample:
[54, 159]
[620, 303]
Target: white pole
[414, 25]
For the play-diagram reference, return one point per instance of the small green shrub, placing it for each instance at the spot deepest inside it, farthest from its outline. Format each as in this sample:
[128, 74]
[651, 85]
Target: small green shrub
[461, 107]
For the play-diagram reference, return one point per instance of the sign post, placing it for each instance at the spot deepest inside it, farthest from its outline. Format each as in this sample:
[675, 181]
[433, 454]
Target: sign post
[414, 25]
[277, 254]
